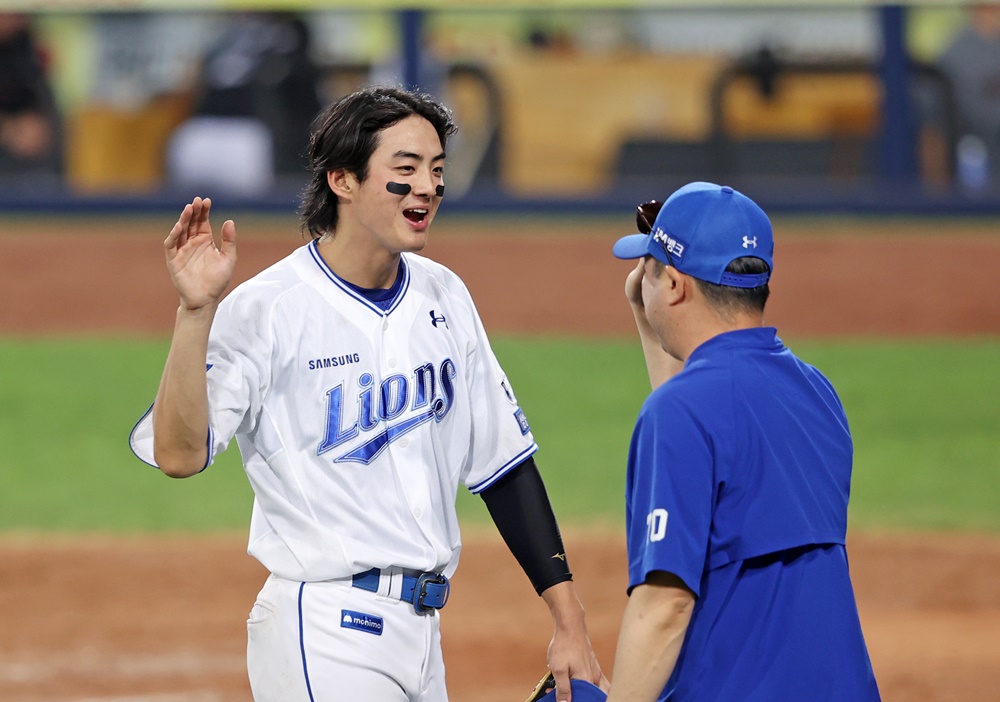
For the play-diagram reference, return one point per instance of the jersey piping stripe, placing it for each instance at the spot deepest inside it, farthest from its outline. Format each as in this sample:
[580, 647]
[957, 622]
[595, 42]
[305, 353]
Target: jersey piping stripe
[517, 460]
[131, 444]
[302, 646]
[209, 449]
[131, 438]
[314, 252]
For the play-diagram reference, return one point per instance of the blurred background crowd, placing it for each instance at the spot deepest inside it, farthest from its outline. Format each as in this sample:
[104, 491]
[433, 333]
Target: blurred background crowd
[549, 103]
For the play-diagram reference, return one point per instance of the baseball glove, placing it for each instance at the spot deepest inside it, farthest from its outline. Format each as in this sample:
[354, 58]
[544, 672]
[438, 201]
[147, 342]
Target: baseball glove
[545, 685]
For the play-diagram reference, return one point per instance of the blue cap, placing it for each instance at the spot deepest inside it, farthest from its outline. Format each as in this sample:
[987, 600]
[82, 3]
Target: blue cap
[704, 227]
[583, 691]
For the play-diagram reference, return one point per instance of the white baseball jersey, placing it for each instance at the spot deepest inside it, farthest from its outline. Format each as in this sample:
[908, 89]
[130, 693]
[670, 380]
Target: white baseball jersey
[356, 425]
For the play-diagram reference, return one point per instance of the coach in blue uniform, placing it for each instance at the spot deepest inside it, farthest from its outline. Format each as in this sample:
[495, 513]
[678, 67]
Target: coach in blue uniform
[739, 473]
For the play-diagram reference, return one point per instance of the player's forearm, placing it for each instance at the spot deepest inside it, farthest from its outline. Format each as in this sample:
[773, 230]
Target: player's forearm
[649, 643]
[570, 653]
[180, 414]
[565, 607]
[521, 510]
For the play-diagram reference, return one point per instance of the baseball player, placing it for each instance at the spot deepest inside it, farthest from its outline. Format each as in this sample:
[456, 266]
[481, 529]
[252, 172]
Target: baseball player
[360, 386]
[738, 478]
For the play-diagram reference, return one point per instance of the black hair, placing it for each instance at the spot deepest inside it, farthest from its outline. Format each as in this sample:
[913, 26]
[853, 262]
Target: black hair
[345, 135]
[729, 300]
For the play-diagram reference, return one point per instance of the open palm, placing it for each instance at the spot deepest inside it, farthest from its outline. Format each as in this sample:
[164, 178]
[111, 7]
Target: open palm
[199, 270]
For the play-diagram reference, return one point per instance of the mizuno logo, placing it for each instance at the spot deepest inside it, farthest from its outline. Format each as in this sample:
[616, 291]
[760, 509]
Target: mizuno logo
[560, 556]
[748, 242]
[435, 319]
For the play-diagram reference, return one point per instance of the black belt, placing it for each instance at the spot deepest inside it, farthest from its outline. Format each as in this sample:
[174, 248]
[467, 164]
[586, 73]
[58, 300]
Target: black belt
[425, 592]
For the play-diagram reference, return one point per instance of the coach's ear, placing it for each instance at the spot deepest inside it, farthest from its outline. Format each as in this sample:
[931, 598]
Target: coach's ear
[342, 182]
[678, 286]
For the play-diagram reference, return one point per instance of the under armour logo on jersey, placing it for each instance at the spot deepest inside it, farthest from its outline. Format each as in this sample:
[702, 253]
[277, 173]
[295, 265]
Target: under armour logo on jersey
[435, 319]
[748, 242]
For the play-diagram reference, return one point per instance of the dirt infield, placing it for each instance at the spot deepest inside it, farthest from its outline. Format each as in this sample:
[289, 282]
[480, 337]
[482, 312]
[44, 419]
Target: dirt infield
[154, 619]
[161, 620]
[830, 279]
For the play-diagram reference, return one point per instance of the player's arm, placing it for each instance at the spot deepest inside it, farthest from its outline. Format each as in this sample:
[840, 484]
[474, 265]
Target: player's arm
[521, 509]
[660, 365]
[653, 628]
[200, 272]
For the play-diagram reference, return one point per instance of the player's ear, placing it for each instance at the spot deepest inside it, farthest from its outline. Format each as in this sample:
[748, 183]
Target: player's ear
[342, 182]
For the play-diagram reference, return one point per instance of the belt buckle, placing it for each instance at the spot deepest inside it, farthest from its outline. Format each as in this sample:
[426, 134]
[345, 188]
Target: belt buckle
[423, 581]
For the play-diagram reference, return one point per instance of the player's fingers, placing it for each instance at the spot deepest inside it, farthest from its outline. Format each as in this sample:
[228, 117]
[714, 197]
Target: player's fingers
[564, 691]
[229, 238]
[171, 241]
[206, 209]
[604, 684]
[194, 221]
[199, 215]
[178, 234]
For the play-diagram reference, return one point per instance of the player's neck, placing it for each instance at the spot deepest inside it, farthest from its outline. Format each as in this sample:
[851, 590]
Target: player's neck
[368, 266]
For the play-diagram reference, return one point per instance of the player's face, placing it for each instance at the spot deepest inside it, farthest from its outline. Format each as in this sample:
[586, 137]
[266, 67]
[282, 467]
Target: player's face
[408, 152]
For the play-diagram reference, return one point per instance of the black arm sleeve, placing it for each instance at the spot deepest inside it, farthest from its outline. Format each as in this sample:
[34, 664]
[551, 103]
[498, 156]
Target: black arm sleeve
[521, 510]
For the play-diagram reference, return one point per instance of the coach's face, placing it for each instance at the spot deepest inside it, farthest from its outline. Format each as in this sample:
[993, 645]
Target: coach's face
[408, 152]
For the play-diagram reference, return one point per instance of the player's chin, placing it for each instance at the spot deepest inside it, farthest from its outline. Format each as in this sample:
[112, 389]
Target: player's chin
[411, 241]
[414, 237]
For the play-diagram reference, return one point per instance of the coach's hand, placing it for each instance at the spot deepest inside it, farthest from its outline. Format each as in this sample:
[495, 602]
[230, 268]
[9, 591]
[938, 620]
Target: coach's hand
[633, 289]
[200, 270]
[660, 365]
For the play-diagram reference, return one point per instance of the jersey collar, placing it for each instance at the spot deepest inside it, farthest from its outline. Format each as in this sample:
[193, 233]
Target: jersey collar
[755, 338]
[351, 292]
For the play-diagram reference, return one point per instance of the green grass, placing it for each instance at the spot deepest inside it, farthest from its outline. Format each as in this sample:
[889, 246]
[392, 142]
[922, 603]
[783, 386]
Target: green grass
[66, 410]
[924, 415]
[926, 424]
[581, 398]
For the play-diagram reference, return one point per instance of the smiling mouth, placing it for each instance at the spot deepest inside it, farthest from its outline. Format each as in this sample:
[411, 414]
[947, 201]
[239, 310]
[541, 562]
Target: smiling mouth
[415, 214]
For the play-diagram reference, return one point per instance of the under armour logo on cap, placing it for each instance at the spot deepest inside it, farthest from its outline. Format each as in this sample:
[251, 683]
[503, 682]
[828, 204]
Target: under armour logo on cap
[748, 242]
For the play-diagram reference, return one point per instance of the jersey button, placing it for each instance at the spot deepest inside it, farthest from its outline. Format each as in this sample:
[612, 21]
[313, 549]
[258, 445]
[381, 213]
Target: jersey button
[403, 443]
[392, 362]
[418, 513]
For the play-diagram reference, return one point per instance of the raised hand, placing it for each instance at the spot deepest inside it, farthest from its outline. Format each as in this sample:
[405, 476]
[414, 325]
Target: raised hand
[633, 286]
[199, 270]
[660, 364]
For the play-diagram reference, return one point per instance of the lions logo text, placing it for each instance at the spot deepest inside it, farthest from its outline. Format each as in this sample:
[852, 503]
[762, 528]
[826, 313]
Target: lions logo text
[428, 392]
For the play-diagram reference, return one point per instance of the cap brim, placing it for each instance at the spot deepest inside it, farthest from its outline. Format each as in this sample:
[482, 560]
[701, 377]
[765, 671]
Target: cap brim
[631, 246]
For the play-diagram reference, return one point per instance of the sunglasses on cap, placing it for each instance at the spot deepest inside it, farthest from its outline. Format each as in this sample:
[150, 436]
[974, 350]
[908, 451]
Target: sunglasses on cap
[645, 215]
